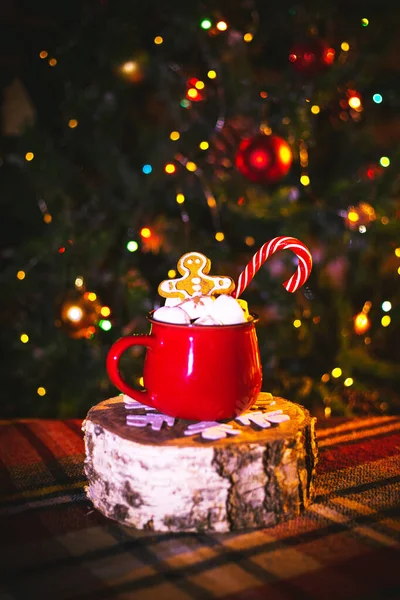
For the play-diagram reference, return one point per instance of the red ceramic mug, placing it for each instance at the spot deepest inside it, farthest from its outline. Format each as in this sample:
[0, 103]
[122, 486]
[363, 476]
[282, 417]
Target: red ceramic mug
[194, 372]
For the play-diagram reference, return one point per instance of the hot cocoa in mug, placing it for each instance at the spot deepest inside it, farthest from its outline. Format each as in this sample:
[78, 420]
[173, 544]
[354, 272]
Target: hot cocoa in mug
[202, 357]
[194, 372]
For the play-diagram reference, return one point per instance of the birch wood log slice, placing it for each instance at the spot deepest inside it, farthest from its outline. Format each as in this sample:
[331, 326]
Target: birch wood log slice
[168, 481]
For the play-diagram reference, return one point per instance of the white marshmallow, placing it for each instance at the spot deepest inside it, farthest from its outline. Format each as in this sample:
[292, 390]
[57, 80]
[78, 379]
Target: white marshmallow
[227, 310]
[171, 314]
[197, 307]
[172, 301]
[207, 320]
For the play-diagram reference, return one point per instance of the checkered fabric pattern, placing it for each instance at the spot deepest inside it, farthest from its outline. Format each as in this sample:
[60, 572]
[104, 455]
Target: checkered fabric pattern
[54, 545]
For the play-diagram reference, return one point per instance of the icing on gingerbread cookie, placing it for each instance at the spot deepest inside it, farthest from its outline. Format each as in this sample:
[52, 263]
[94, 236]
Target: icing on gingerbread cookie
[195, 281]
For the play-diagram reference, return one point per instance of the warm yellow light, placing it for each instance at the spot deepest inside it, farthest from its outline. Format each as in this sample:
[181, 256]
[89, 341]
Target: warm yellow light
[72, 123]
[327, 412]
[105, 311]
[21, 275]
[170, 168]
[75, 314]
[211, 202]
[47, 218]
[200, 85]
[285, 154]
[219, 236]
[79, 282]
[397, 252]
[129, 67]
[43, 54]
[249, 241]
[361, 323]
[336, 372]
[354, 102]
[191, 166]
[345, 46]
[315, 109]
[204, 145]
[24, 338]
[91, 296]
[145, 232]
[385, 321]
[222, 26]
[385, 220]
[248, 37]
[266, 130]
[41, 391]
[384, 161]
[367, 306]
[141, 381]
[211, 74]
[325, 377]
[158, 40]
[29, 156]
[171, 273]
[180, 198]
[174, 135]
[353, 216]
[348, 381]
[297, 323]
[192, 93]
[305, 180]
[52, 62]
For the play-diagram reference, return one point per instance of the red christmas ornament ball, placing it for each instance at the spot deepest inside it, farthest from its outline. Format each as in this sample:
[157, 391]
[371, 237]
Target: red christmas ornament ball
[311, 56]
[264, 158]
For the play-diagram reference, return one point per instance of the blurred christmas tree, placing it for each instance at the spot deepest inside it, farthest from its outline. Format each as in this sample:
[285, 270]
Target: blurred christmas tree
[134, 132]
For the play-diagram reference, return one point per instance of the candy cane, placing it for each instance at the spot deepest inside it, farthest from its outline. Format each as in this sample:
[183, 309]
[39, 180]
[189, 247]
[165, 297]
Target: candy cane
[279, 243]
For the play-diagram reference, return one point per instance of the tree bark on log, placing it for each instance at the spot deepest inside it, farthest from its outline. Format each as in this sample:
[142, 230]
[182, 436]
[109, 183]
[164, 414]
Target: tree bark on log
[167, 481]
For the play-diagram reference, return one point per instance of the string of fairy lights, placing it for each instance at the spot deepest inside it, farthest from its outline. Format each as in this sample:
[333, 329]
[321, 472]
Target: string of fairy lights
[85, 313]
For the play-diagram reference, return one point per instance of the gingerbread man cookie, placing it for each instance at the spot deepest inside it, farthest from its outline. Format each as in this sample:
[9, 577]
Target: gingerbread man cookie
[195, 281]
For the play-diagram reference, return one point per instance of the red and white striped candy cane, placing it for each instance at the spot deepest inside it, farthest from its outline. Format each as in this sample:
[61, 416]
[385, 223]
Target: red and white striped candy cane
[279, 243]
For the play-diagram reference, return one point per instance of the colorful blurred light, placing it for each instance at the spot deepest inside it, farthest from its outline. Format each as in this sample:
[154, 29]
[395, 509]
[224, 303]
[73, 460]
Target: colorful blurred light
[205, 24]
[222, 26]
[105, 325]
[361, 323]
[132, 246]
[384, 161]
[145, 232]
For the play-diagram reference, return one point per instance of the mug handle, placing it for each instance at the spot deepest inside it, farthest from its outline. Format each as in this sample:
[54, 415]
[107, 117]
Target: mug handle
[112, 363]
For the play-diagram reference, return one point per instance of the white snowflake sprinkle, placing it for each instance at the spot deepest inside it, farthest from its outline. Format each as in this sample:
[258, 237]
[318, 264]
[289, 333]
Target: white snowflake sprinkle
[130, 403]
[155, 420]
[211, 430]
[263, 419]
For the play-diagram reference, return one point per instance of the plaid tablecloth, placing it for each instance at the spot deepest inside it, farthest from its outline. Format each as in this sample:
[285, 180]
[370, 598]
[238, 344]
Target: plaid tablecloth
[54, 545]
